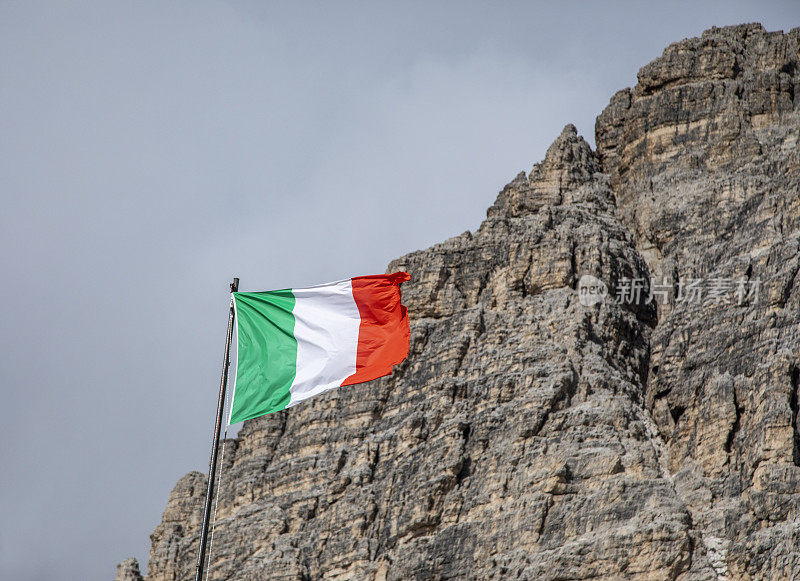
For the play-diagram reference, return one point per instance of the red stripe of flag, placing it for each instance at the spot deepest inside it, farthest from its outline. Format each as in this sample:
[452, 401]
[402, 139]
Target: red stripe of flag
[383, 336]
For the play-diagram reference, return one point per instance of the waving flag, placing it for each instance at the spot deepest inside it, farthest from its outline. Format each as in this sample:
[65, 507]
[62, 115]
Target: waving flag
[293, 344]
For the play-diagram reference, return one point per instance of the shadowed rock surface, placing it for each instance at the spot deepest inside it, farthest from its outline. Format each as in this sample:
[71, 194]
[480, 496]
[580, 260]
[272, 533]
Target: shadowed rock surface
[531, 436]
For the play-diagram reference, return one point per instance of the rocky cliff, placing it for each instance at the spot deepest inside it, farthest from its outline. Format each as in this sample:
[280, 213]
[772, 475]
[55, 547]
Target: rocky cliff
[652, 433]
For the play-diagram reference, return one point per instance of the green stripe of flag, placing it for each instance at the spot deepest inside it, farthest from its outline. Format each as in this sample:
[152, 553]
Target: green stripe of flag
[267, 353]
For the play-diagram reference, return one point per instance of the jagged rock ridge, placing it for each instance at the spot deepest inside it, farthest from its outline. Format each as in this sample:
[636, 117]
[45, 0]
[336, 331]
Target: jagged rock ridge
[531, 436]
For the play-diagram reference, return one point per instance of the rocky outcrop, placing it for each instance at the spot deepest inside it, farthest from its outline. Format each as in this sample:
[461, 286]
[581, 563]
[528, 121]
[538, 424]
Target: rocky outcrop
[704, 160]
[533, 434]
[128, 570]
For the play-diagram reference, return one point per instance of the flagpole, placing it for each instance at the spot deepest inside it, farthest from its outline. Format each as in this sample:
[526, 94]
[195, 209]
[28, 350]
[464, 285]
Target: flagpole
[212, 470]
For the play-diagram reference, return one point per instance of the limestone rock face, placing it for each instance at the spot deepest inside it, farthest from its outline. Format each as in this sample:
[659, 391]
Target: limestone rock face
[532, 434]
[128, 570]
[704, 160]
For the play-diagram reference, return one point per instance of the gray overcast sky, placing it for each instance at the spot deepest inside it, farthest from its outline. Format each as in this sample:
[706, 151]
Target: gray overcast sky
[150, 151]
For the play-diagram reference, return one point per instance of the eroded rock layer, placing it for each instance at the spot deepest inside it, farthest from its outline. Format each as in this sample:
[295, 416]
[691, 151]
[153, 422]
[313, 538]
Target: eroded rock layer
[531, 435]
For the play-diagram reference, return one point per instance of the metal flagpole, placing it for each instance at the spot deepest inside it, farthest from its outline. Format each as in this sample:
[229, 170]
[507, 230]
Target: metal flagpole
[212, 470]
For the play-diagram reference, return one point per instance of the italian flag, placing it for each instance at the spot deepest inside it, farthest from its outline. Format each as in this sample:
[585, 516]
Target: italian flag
[293, 344]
